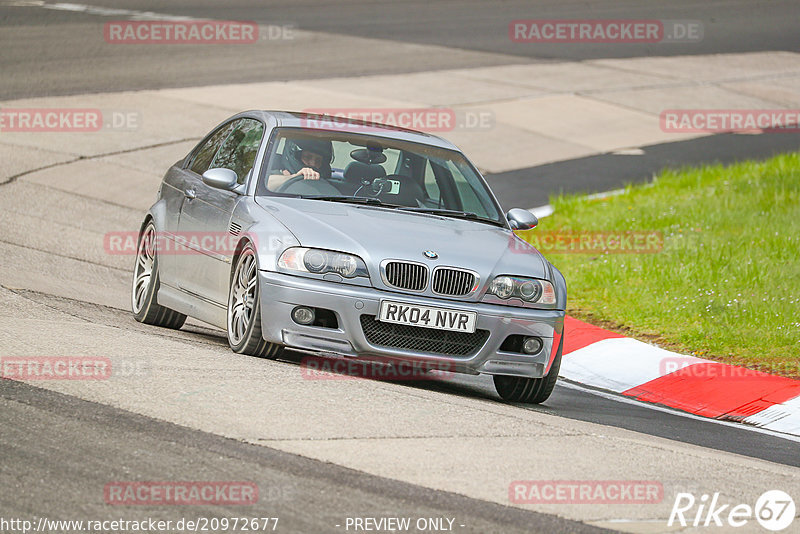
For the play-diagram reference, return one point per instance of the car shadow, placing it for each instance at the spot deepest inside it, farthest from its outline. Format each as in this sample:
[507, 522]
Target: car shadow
[479, 387]
[462, 385]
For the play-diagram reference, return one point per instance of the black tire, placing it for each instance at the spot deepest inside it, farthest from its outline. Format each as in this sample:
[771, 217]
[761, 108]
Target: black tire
[529, 390]
[243, 321]
[144, 289]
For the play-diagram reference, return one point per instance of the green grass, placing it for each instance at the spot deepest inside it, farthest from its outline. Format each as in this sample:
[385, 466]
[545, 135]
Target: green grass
[725, 286]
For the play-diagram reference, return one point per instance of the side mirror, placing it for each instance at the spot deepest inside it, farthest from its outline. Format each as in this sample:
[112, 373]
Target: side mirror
[521, 219]
[221, 178]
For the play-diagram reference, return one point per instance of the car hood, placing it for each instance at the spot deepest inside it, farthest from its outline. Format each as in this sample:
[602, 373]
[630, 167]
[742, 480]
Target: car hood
[376, 234]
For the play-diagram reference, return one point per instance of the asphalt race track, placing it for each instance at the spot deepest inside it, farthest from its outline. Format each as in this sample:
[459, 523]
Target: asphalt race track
[607, 172]
[306, 495]
[469, 33]
[324, 451]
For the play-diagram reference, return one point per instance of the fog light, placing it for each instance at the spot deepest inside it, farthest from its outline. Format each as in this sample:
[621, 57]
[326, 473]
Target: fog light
[303, 315]
[531, 345]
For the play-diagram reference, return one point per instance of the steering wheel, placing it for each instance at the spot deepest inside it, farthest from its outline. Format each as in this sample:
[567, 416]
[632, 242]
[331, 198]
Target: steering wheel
[290, 182]
[300, 186]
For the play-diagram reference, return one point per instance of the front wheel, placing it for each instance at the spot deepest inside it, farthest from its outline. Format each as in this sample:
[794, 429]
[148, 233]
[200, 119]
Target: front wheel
[529, 390]
[244, 309]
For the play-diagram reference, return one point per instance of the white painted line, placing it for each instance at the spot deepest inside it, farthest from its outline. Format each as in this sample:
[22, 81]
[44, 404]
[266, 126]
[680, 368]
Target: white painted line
[547, 209]
[605, 194]
[656, 407]
[628, 152]
[542, 211]
[105, 11]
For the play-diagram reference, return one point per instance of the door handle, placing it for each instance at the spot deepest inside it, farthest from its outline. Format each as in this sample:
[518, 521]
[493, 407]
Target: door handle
[190, 194]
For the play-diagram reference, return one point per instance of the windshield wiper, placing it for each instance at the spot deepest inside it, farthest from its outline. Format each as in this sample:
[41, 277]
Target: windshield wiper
[454, 213]
[352, 200]
[372, 201]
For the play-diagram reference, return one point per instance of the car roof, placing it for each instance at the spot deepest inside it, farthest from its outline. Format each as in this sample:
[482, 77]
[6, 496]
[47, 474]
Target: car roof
[315, 121]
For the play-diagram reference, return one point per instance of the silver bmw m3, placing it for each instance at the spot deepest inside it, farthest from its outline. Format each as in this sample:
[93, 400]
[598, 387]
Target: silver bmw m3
[347, 239]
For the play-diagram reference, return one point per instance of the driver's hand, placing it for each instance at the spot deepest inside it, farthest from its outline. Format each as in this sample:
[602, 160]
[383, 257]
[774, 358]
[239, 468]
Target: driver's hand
[306, 172]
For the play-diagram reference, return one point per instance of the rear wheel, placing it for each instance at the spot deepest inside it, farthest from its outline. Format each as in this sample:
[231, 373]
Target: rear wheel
[145, 307]
[244, 309]
[529, 390]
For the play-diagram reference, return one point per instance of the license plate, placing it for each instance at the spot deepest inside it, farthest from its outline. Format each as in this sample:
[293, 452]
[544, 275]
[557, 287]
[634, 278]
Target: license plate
[427, 317]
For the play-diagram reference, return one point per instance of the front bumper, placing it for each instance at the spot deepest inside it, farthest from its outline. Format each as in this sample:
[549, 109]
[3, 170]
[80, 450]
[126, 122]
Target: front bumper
[281, 293]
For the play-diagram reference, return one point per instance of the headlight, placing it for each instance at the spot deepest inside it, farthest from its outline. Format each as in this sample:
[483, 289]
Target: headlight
[503, 287]
[318, 261]
[528, 289]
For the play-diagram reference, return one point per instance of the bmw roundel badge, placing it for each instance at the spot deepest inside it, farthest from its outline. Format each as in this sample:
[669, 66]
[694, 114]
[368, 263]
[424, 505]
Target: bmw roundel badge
[431, 255]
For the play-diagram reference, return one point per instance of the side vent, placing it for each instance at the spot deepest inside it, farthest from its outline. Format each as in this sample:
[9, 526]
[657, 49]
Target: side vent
[235, 228]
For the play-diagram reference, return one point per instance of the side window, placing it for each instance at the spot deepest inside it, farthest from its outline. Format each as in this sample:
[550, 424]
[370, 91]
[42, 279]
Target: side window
[473, 197]
[203, 157]
[238, 152]
[468, 197]
[280, 146]
[431, 187]
[341, 155]
[392, 156]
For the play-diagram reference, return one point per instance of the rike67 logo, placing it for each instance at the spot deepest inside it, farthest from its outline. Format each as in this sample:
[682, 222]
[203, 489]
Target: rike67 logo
[774, 510]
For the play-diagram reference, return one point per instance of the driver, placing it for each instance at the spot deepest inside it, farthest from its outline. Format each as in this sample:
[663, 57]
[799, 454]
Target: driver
[309, 158]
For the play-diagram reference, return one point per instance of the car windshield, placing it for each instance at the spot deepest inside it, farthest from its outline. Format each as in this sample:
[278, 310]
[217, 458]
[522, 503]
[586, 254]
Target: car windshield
[362, 168]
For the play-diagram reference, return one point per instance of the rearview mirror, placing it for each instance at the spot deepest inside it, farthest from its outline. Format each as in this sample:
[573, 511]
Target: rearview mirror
[521, 219]
[220, 178]
[372, 155]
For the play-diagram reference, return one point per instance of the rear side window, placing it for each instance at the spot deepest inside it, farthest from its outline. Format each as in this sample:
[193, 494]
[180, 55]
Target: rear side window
[238, 152]
[204, 156]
